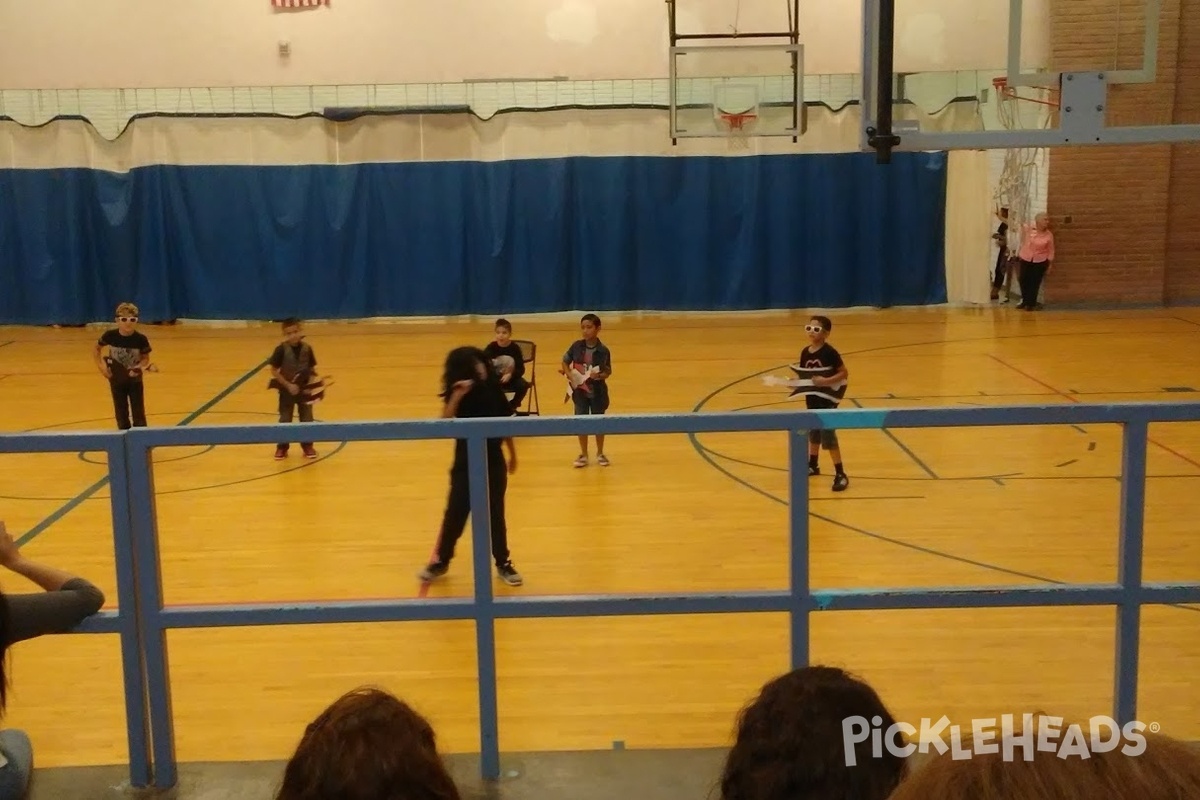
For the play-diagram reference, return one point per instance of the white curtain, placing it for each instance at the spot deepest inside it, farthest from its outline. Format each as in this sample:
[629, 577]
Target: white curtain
[970, 222]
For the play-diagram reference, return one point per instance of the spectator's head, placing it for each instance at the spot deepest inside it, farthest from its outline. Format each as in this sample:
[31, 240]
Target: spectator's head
[367, 746]
[1042, 221]
[789, 742]
[1166, 770]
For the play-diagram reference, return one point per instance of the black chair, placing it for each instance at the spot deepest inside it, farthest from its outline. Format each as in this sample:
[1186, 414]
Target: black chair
[529, 357]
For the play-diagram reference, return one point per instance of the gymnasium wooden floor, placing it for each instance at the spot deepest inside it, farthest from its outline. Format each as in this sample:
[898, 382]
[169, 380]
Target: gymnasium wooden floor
[926, 507]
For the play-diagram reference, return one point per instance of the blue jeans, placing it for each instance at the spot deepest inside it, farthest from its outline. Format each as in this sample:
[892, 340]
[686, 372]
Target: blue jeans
[14, 776]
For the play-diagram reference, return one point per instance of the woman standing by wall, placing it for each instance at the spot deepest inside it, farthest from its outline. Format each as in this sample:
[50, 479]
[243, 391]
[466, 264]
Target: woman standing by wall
[1037, 259]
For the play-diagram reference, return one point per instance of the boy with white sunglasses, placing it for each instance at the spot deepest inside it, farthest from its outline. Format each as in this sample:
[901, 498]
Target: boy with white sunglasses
[821, 363]
[127, 360]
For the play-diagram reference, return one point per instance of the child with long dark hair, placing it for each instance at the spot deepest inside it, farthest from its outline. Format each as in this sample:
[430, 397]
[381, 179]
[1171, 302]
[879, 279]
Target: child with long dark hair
[471, 388]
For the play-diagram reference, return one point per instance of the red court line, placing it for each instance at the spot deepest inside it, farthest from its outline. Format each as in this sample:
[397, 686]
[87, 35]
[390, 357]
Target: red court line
[1074, 399]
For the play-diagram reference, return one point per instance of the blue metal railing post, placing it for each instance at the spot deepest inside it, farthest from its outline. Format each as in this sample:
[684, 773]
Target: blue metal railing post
[485, 609]
[153, 633]
[1129, 569]
[136, 721]
[798, 546]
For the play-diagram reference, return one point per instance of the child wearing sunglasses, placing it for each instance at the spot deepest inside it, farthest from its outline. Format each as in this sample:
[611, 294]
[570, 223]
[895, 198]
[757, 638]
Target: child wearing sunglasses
[127, 359]
[820, 361]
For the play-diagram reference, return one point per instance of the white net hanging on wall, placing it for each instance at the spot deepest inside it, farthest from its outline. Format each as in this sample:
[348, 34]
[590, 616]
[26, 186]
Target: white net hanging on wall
[1020, 188]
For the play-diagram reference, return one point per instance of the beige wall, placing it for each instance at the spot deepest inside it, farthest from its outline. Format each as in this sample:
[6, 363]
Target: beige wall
[47, 44]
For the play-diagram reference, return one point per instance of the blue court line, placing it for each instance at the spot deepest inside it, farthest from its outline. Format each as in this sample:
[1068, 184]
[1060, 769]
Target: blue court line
[75, 501]
[907, 451]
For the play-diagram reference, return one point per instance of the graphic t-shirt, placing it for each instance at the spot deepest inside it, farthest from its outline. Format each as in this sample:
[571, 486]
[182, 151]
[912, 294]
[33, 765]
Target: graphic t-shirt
[825, 363]
[125, 353]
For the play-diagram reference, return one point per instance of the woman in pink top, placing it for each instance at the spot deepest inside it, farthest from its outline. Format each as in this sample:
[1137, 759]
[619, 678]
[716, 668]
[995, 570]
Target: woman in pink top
[1037, 259]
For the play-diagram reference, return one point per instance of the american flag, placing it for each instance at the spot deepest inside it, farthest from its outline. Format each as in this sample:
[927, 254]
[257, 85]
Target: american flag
[299, 3]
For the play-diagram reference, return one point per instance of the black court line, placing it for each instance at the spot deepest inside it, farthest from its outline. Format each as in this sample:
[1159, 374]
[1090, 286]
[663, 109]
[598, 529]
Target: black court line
[6, 344]
[1067, 463]
[304, 463]
[78, 499]
[907, 450]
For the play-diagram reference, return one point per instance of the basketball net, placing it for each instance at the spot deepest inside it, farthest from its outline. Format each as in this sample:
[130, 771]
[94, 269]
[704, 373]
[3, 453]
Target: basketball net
[1019, 183]
[738, 125]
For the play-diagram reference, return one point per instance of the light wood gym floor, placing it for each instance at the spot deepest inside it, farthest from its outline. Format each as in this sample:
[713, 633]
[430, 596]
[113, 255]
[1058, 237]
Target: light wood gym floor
[925, 507]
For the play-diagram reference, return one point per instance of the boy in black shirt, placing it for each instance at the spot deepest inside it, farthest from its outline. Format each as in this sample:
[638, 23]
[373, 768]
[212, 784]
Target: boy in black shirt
[127, 359]
[471, 388]
[293, 365]
[514, 380]
[823, 364]
[590, 360]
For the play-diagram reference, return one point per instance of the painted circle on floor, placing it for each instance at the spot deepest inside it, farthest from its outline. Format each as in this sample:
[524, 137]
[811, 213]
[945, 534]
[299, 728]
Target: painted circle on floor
[173, 466]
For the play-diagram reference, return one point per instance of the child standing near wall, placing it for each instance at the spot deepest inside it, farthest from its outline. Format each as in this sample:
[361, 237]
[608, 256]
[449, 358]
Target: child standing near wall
[511, 380]
[127, 359]
[588, 366]
[293, 364]
[824, 365]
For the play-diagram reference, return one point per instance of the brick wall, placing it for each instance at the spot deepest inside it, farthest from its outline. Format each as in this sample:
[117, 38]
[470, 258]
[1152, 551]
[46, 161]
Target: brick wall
[1183, 216]
[1134, 234]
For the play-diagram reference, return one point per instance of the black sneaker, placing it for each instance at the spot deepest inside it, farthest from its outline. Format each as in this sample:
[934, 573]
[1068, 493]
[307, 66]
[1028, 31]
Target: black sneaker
[433, 571]
[813, 470]
[841, 482]
[508, 573]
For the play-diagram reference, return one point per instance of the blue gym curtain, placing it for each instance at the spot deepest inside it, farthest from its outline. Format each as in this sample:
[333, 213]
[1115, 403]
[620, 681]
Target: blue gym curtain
[684, 233]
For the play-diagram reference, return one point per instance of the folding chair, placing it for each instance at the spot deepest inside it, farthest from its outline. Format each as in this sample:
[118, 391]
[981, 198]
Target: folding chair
[529, 357]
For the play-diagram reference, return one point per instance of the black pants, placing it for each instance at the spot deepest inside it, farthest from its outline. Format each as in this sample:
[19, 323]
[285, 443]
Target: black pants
[287, 406]
[458, 508]
[520, 387]
[129, 396]
[1001, 268]
[1031, 279]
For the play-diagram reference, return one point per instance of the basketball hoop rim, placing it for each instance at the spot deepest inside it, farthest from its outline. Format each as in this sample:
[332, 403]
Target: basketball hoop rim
[737, 122]
[1000, 84]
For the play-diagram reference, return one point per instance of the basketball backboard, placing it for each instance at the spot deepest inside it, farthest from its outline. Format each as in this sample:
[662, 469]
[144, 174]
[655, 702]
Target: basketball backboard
[1087, 97]
[739, 73]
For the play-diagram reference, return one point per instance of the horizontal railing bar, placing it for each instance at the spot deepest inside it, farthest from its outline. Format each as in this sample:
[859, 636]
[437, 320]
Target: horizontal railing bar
[104, 622]
[702, 422]
[667, 604]
[645, 424]
[1004, 597]
[58, 442]
[251, 614]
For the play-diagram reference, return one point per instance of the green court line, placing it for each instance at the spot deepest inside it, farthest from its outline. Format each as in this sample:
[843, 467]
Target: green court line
[78, 499]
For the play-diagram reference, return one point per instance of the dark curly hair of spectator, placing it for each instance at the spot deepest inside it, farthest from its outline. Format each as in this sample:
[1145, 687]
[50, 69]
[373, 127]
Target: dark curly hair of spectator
[789, 743]
[368, 745]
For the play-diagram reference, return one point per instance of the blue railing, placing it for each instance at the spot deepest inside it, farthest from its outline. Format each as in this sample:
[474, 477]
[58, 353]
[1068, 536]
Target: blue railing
[142, 620]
